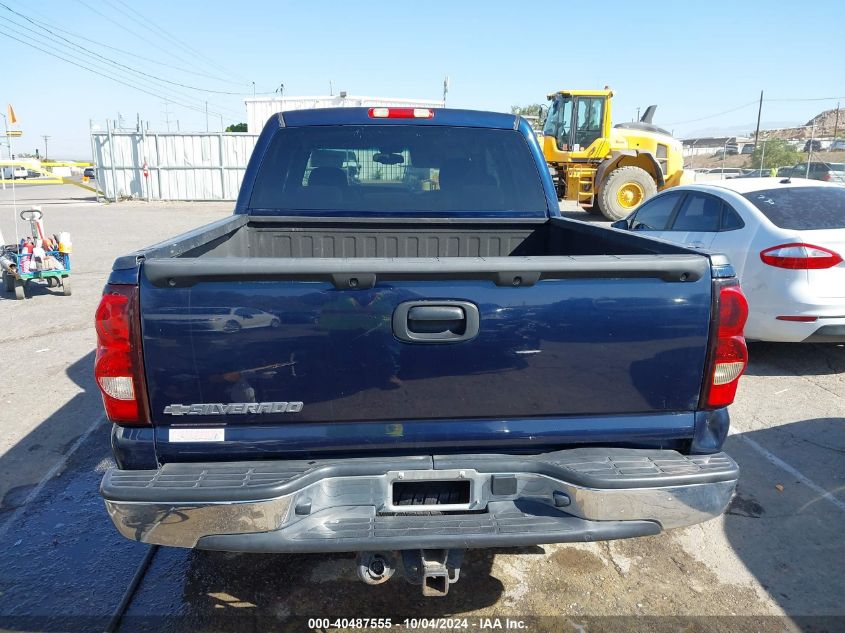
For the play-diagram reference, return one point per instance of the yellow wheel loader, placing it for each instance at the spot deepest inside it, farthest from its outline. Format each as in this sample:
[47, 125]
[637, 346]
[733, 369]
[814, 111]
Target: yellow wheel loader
[609, 169]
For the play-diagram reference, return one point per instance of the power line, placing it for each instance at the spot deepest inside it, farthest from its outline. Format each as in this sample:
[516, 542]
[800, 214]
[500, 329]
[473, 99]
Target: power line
[101, 74]
[133, 54]
[808, 99]
[158, 30]
[141, 37]
[8, 25]
[115, 63]
[791, 99]
[713, 116]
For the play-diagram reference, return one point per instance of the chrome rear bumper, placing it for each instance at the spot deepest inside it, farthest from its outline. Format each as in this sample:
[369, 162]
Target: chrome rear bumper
[349, 505]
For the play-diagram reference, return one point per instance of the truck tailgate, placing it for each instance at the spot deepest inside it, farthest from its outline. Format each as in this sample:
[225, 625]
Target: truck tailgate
[582, 344]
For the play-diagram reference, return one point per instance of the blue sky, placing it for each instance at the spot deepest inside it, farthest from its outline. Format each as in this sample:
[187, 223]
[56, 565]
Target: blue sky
[694, 59]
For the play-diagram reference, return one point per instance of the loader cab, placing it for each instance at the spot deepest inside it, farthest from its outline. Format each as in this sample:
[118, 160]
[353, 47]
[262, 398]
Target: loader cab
[575, 121]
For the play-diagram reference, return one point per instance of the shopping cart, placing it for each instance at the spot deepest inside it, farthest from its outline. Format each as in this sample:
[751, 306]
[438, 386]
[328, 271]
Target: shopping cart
[22, 265]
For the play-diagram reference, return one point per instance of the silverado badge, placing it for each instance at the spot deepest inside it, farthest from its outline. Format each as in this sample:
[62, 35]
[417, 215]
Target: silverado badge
[218, 408]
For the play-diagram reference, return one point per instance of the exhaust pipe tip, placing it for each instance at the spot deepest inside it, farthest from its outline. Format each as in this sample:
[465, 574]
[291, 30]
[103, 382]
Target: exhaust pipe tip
[375, 568]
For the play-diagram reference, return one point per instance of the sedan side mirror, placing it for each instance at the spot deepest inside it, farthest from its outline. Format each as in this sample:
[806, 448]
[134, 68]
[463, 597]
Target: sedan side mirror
[620, 224]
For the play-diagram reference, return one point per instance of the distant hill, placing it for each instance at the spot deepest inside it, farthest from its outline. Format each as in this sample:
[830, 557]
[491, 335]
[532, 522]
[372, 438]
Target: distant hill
[824, 123]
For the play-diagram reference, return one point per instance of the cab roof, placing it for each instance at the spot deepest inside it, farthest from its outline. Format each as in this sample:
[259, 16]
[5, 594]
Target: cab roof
[604, 92]
[360, 116]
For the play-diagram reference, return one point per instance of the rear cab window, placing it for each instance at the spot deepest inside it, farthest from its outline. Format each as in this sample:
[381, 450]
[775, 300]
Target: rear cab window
[802, 208]
[424, 170]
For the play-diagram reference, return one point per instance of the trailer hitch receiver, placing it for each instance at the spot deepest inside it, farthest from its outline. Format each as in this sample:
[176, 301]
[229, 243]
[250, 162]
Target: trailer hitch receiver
[433, 569]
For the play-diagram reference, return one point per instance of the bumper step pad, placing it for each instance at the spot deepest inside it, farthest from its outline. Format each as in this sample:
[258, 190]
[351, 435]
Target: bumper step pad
[505, 524]
[249, 481]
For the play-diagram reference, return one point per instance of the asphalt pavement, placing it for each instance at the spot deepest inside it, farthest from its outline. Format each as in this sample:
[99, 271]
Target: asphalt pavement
[773, 562]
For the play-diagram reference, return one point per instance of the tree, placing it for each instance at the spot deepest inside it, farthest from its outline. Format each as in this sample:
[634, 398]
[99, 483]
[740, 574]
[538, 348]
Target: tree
[237, 127]
[534, 113]
[777, 153]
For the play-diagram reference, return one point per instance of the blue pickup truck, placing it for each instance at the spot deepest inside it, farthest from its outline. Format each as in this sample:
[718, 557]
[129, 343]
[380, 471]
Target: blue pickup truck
[397, 346]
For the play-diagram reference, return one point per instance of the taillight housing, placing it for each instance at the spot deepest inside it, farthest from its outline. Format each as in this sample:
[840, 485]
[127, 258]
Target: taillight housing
[800, 256]
[729, 354]
[118, 367]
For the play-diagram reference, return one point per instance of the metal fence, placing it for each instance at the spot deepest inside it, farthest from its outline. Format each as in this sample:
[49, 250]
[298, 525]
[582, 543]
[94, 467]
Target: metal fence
[179, 166]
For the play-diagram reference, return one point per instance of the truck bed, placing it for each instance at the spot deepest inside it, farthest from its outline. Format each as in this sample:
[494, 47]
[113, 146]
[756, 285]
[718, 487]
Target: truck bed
[567, 330]
[298, 237]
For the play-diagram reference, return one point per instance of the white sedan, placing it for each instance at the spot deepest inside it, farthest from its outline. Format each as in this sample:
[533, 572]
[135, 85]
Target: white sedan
[785, 239]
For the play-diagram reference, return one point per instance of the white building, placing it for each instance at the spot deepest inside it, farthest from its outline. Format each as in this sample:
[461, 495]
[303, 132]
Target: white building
[259, 109]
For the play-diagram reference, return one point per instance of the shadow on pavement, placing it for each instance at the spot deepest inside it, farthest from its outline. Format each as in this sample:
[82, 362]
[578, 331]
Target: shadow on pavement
[33, 289]
[226, 591]
[63, 567]
[789, 359]
[780, 523]
[23, 465]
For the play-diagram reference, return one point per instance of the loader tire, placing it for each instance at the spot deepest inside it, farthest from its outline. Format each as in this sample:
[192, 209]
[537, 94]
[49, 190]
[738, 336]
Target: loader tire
[624, 190]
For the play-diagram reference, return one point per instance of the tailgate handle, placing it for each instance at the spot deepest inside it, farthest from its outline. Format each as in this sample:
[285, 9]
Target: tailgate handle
[436, 313]
[435, 321]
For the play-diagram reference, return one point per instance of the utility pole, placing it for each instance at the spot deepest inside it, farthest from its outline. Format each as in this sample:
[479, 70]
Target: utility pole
[638, 113]
[167, 114]
[253, 90]
[8, 139]
[206, 116]
[46, 138]
[759, 112]
[836, 122]
[810, 153]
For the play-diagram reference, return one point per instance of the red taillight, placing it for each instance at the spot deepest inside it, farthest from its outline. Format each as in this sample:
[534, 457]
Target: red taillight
[401, 113]
[826, 176]
[731, 354]
[797, 319]
[800, 256]
[118, 366]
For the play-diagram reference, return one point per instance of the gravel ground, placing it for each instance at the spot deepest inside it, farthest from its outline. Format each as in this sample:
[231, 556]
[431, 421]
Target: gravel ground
[779, 551]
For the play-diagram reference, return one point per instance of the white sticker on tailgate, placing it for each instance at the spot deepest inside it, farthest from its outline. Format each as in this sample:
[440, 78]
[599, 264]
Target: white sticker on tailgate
[197, 435]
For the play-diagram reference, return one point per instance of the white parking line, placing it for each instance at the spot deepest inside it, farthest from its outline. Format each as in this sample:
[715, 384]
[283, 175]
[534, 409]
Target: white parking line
[58, 466]
[777, 461]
